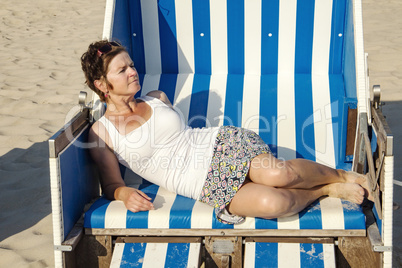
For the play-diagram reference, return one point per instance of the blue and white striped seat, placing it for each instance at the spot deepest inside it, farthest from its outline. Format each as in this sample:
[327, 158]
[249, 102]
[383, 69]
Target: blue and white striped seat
[276, 67]
[174, 212]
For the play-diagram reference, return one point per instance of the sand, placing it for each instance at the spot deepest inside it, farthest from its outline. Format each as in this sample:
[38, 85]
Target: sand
[41, 42]
[40, 47]
[383, 42]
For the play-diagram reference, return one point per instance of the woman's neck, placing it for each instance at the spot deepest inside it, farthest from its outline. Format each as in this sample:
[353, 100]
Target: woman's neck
[122, 106]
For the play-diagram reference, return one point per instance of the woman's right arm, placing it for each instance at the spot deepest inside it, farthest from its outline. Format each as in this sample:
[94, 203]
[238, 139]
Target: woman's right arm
[112, 183]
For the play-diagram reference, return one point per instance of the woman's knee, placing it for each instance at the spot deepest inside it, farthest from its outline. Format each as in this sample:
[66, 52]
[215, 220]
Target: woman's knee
[284, 173]
[290, 174]
[276, 206]
[271, 171]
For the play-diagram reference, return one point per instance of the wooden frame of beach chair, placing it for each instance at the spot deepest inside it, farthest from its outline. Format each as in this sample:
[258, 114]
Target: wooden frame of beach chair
[341, 236]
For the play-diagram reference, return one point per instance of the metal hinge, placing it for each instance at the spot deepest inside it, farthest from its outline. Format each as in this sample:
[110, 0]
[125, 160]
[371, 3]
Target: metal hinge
[379, 248]
[63, 247]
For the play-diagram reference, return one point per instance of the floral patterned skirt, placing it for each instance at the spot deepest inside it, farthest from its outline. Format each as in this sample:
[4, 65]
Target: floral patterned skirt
[234, 150]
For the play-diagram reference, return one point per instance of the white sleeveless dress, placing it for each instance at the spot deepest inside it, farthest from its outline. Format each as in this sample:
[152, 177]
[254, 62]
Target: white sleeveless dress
[164, 151]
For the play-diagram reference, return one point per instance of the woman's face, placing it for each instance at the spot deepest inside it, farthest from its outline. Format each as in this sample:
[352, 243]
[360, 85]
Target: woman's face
[123, 76]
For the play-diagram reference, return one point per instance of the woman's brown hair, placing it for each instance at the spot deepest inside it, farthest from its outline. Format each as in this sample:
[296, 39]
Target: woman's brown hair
[95, 64]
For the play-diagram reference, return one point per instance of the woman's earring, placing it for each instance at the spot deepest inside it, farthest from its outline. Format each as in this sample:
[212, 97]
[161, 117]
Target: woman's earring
[107, 94]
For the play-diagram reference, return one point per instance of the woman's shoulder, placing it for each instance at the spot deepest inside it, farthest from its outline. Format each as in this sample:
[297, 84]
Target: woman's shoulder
[160, 95]
[98, 132]
[95, 130]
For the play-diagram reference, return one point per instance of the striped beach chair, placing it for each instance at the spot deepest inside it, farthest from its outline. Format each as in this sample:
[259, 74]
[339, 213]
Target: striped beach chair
[294, 72]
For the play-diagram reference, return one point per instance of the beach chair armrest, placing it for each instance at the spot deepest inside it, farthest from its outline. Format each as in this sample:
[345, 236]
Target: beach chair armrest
[74, 237]
[374, 156]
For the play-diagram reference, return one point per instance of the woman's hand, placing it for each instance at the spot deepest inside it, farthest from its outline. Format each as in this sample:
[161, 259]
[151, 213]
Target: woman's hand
[134, 200]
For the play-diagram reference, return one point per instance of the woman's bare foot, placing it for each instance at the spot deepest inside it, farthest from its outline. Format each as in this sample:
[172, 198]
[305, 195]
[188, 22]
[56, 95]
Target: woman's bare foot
[352, 192]
[362, 180]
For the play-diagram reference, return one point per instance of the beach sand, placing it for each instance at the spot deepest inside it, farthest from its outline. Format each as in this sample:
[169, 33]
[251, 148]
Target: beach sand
[41, 43]
[40, 78]
[382, 25]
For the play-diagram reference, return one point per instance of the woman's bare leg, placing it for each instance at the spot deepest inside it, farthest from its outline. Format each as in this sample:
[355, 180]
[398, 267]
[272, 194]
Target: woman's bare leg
[298, 173]
[256, 200]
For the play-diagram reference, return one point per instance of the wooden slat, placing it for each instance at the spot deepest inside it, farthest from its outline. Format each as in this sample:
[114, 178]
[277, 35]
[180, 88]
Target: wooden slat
[75, 235]
[63, 137]
[356, 252]
[370, 160]
[371, 178]
[372, 229]
[159, 239]
[351, 131]
[307, 240]
[383, 131]
[359, 161]
[384, 143]
[224, 232]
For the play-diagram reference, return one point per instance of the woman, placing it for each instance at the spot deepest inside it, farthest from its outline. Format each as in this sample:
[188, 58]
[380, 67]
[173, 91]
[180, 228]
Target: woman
[241, 176]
